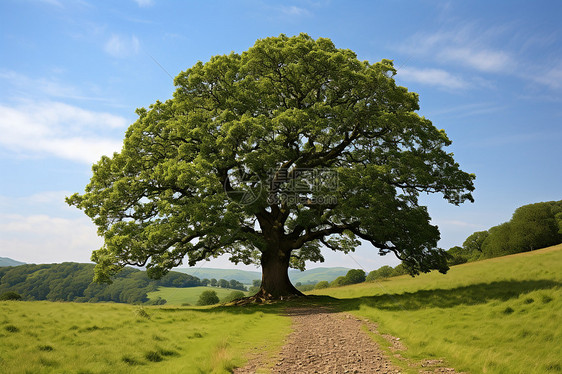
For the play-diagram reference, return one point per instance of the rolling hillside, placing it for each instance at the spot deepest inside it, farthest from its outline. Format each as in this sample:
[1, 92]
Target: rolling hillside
[308, 276]
[500, 315]
[243, 276]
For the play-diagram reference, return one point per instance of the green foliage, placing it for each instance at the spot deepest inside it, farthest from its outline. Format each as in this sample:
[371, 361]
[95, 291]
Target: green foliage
[382, 272]
[208, 297]
[73, 282]
[235, 285]
[340, 281]
[386, 272]
[234, 295]
[322, 284]
[456, 256]
[531, 227]
[10, 295]
[355, 276]
[211, 170]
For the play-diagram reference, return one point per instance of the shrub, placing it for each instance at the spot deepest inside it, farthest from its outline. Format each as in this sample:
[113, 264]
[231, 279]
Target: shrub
[321, 285]
[340, 281]
[382, 272]
[208, 298]
[234, 295]
[355, 276]
[10, 295]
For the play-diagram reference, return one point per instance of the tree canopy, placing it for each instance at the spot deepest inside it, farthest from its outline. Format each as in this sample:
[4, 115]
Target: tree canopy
[268, 156]
[531, 227]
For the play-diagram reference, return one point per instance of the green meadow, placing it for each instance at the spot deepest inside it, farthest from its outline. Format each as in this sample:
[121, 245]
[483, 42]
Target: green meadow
[502, 315]
[188, 295]
[495, 316]
[52, 337]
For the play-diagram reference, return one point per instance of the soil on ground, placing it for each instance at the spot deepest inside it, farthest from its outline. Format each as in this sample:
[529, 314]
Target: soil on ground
[326, 342]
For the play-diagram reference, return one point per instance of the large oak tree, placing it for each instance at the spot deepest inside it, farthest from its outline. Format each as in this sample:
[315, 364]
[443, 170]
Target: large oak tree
[269, 156]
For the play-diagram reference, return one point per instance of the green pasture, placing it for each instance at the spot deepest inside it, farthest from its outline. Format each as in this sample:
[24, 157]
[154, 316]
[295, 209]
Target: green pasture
[52, 337]
[183, 296]
[502, 315]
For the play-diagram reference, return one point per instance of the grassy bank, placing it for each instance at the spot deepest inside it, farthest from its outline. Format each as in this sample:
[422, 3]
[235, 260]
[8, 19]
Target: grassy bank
[501, 315]
[49, 337]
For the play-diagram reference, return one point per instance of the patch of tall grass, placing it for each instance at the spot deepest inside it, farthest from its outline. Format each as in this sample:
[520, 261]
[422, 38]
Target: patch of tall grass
[49, 337]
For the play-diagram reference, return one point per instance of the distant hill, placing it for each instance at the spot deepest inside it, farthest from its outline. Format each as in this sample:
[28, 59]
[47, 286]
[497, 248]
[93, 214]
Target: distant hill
[71, 281]
[317, 274]
[243, 276]
[5, 261]
[246, 277]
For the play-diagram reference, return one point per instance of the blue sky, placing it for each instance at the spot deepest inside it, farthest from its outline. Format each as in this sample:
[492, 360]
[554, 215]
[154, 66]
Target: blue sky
[73, 72]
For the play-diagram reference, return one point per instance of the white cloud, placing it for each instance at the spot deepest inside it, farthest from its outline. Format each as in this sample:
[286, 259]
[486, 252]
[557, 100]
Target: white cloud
[433, 77]
[465, 45]
[25, 86]
[121, 46]
[294, 11]
[144, 3]
[46, 239]
[482, 59]
[45, 229]
[58, 129]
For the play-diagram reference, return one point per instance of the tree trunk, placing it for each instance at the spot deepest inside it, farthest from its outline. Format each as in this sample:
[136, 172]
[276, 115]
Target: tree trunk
[275, 283]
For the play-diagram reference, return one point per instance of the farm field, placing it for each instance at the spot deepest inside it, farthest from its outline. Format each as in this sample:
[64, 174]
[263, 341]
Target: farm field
[52, 337]
[501, 315]
[188, 295]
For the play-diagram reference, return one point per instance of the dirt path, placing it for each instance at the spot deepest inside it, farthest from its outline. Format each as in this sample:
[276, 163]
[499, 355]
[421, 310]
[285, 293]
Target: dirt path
[324, 342]
[327, 342]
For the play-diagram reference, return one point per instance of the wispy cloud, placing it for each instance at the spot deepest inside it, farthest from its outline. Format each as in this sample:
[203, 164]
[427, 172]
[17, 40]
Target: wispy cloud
[550, 77]
[54, 3]
[144, 3]
[294, 11]
[466, 110]
[465, 45]
[56, 129]
[433, 77]
[482, 59]
[122, 46]
[23, 86]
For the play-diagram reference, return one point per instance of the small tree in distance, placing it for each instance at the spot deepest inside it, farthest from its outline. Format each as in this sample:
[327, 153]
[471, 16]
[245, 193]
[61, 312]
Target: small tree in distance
[269, 156]
[208, 297]
[355, 276]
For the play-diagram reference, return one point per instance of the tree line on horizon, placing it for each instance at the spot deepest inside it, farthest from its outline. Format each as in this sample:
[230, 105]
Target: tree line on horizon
[531, 227]
[71, 281]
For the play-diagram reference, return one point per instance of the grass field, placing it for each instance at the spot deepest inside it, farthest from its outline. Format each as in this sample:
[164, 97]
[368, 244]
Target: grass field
[502, 315]
[190, 295]
[50, 337]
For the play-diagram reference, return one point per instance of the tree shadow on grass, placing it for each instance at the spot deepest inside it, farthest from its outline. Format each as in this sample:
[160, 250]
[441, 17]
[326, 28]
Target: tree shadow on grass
[475, 294]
